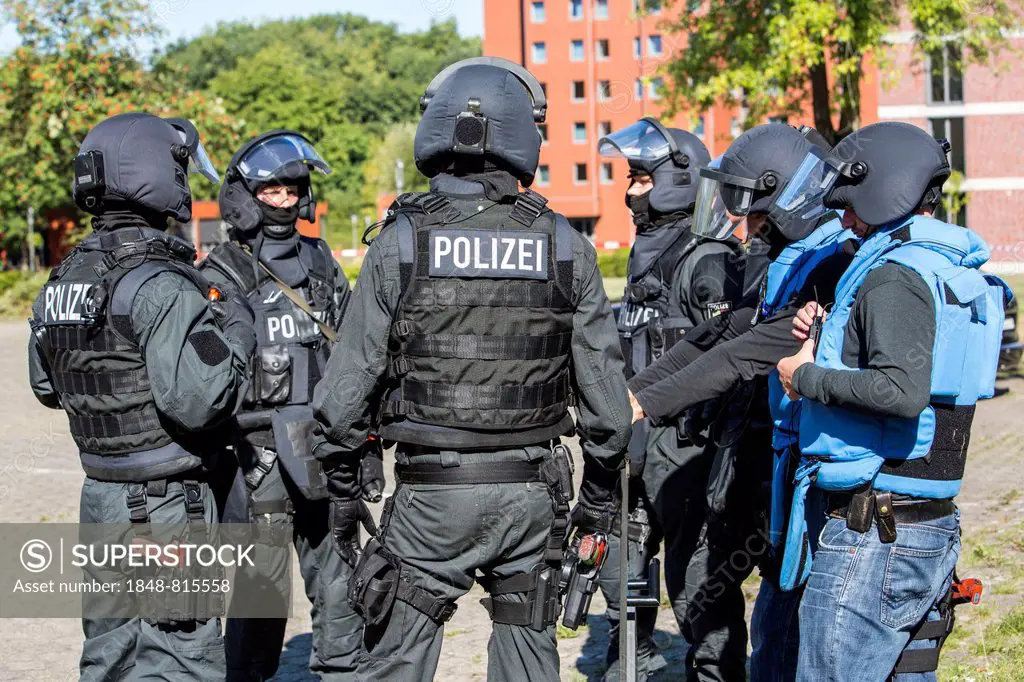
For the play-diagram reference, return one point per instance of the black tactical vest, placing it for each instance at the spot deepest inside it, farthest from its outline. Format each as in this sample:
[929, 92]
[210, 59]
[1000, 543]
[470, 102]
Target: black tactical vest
[291, 356]
[96, 364]
[480, 346]
[650, 319]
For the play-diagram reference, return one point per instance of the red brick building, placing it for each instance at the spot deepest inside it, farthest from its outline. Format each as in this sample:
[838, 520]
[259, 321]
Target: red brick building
[599, 59]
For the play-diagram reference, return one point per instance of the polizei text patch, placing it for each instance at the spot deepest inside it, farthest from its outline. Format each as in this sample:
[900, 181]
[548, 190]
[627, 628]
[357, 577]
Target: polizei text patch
[485, 253]
[65, 302]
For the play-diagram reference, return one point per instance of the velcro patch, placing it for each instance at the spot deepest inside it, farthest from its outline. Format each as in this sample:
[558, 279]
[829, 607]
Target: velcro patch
[717, 308]
[483, 253]
[209, 347]
[66, 302]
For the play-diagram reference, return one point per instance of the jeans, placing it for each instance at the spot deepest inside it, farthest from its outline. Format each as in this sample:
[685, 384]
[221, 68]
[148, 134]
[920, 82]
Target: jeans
[864, 597]
[774, 634]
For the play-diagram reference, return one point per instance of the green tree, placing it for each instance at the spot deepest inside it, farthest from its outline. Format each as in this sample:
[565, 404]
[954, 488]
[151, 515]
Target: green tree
[775, 56]
[341, 80]
[75, 64]
[396, 145]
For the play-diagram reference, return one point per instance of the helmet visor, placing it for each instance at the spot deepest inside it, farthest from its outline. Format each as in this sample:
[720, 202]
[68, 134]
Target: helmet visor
[645, 140]
[803, 196]
[198, 160]
[711, 216]
[268, 158]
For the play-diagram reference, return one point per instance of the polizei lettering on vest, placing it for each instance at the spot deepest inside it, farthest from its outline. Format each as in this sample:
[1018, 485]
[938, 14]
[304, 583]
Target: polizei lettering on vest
[65, 302]
[484, 253]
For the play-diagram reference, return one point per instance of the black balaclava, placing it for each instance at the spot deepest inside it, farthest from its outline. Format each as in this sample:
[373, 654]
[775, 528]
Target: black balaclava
[276, 244]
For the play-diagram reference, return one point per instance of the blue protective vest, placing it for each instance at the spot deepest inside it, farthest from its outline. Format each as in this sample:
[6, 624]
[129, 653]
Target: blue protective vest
[851, 447]
[787, 274]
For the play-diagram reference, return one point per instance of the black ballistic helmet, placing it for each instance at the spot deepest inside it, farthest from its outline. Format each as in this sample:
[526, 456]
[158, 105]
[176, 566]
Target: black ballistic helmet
[139, 162]
[773, 170]
[279, 157]
[484, 107]
[902, 168]
[670, 156]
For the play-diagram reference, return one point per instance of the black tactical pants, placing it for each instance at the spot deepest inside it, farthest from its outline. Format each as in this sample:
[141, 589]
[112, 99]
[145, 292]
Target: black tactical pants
[733, 543]
[254, 644]
[134, 648]
[446, 534]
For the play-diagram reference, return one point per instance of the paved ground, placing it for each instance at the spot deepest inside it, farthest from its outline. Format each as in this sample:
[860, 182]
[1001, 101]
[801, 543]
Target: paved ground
[40, 480]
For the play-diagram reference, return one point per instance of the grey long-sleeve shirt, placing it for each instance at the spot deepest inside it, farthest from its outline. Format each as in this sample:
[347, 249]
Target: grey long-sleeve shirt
[349, 393]
[198, 373]
[889, 337]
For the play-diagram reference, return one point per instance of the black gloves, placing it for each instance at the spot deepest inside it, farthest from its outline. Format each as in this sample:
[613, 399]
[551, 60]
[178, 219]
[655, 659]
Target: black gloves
[346, 517]
[598, 501]
[236, 318]
[352, 479]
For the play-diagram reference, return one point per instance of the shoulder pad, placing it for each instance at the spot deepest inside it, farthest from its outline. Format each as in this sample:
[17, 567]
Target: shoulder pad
[123, 289]
[422, 202]
[233, 261]
[319, 257]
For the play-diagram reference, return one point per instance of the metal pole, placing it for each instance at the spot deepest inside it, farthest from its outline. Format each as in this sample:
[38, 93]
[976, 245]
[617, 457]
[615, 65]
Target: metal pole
[31, 239]
[627, 621]
[355, 221]
[399, 176]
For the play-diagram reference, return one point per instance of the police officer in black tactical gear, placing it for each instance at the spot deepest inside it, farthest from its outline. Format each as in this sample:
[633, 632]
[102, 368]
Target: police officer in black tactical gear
[126, 342]
[775, 177]
[479, 317]
[298, 293]
[675, 281]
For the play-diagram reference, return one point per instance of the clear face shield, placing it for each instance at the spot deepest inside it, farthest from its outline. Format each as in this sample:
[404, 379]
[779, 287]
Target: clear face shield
[198, 160]
[644, 141]
[711, 218]
[724, 199]
[273, 158]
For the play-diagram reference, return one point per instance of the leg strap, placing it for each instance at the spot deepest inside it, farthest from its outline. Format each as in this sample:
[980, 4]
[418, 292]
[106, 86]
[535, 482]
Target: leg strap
[541, 608]
[927, 659]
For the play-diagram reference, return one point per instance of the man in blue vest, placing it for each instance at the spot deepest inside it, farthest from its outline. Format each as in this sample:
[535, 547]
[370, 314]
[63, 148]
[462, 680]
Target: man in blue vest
[775, 177]
[889, 395]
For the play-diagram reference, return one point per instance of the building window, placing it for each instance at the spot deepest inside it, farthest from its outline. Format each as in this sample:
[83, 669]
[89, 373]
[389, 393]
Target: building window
[575, 10]
[540, 53]
[654, 46]
[537, 15]
[576, 50]
[579, 132]
[698, 129]
[648, 6]
[604, 128]
[636, 48]
[655, 87]
[638, 89]
[952, 129]
[584, 226]
[947, 79]
[543, 175]
[604, 90]
[735, 127]
[580, 173]
[600, 9]
[579, 91]
[602, 49]
[606, 173]
[542, 128]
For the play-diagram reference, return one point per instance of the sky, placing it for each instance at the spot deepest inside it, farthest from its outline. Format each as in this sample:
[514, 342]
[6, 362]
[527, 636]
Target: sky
[187, 18]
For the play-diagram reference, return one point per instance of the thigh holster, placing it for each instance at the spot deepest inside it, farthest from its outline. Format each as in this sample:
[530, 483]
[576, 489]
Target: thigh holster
[380, 577]
[541, 607]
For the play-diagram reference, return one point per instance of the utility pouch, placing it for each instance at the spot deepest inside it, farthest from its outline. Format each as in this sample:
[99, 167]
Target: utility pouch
[886, 517]
[374, 583]
[275, 385]
[858, 514]
[263, 462]
[564, 469]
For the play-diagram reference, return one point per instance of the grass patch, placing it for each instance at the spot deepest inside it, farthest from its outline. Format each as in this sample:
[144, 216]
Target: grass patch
[562, 632]
[17, 292]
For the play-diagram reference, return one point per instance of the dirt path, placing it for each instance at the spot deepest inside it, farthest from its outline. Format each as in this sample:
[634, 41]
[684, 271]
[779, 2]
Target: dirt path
[40, 480]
